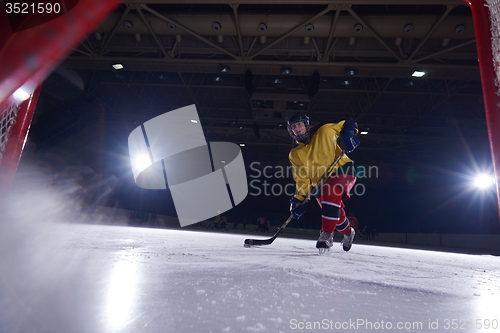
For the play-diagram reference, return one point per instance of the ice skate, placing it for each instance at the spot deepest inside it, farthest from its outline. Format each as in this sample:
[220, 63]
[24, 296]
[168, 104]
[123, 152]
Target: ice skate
[325, 242]
[348, 239]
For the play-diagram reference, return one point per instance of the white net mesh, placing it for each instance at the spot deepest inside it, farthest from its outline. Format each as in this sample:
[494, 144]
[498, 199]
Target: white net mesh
[7, 119]
[494, 8]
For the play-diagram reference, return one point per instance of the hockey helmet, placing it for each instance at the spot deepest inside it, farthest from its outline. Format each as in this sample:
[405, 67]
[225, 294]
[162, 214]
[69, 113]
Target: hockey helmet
[297, 118]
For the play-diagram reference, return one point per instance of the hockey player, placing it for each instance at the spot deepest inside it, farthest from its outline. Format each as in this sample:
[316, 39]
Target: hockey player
[315, 150]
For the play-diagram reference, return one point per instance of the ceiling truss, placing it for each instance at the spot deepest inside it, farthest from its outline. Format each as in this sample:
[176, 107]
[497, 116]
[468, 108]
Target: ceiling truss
[331, 59]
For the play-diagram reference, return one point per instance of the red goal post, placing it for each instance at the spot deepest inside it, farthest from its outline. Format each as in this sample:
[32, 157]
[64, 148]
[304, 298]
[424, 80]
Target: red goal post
[31, 46]
[486, 16]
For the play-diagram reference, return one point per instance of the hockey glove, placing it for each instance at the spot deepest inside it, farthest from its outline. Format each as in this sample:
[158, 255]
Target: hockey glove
[348, 140]
[297, 211]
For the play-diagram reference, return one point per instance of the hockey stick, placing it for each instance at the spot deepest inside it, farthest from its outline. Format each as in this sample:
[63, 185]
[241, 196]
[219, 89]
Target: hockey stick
[315, 190]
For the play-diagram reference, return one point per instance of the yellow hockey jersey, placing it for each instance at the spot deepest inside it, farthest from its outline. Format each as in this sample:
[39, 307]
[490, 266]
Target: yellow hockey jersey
[310, 161]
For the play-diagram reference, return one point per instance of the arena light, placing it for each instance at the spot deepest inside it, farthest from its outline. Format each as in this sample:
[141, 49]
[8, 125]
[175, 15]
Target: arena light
[483, 181]
[224, 69]
[20, 95]
[142, 162]
[117, 66]
[418, 74]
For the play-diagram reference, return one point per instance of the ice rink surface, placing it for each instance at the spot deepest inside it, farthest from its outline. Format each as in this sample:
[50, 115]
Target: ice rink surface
[76, 277]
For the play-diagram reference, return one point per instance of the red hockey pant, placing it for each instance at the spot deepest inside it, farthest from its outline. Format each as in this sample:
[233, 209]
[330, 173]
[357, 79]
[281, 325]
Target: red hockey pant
[333, 216]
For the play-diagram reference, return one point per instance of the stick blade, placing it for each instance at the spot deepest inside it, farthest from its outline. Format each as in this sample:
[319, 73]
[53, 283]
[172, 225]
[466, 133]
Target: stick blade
[258, 242]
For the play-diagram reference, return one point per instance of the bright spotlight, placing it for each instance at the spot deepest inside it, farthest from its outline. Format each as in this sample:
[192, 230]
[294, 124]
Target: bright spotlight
[142, 162]
[418, 74]
[20, 95]
[483, 181]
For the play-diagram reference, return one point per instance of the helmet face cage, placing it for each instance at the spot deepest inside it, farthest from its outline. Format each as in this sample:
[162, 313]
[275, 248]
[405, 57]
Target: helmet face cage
[297, 119]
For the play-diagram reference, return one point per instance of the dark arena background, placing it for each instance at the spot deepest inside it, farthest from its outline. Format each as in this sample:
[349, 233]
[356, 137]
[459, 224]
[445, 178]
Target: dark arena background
[87, 250]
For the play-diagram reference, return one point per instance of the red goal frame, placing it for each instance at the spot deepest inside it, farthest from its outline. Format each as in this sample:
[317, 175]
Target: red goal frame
[28, 56]
[489, 82]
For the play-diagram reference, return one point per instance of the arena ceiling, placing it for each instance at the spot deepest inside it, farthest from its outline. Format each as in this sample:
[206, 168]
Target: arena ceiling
[248, 65]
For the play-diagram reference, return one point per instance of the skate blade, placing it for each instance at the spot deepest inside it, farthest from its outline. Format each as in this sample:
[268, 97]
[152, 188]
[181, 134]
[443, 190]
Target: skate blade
[323, 250]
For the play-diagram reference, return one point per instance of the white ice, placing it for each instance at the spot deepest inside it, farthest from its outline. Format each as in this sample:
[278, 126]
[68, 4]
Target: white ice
[107, 278]
[61, 274]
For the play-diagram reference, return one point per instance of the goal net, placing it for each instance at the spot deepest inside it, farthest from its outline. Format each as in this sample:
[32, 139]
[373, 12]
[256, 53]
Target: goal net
[494, 13]
[7, 120]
